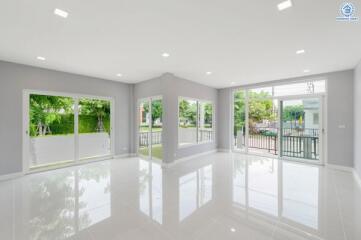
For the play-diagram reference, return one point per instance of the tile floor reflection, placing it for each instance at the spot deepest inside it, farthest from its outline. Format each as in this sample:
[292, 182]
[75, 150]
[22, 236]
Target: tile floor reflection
[218, 196]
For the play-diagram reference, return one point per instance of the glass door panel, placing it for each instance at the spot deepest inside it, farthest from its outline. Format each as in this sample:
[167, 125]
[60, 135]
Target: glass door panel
[156, 128]
[239, 120]
[144, 128]
[262, 121]
[187, 129]
[94, 128]
[51, 124]
[205, 128]
[300, 135]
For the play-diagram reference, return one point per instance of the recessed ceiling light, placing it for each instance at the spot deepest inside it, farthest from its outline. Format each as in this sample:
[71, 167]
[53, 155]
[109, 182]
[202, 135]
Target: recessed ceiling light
[119, 75]
[61, 13]
[284, 5]
[233, 83]
[209, 73]
[306, 71]
[165, 54]
[301, 51]
[233, 229]
[41, 58]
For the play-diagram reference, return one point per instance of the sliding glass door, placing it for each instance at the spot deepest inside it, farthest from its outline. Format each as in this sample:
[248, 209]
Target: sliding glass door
[60, 129]
[262, 121]
[239, 119]
[301, 127]
[50, 130]
[150, 125]
[282, 120]
[94, 128]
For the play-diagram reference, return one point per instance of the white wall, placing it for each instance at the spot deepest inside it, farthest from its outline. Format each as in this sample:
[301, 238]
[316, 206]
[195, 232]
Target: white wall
[15, 77]
[339, 112]
[357, 110]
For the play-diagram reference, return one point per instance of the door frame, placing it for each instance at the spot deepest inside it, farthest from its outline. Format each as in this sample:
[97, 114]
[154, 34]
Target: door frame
[148, 99]
[26, 136]
[323, 126]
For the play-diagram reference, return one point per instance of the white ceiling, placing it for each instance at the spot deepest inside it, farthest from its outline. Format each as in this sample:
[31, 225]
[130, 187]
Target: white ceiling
[238, 41]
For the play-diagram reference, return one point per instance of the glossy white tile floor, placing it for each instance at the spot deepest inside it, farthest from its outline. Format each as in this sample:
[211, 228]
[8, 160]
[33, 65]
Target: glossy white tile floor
[218, 196]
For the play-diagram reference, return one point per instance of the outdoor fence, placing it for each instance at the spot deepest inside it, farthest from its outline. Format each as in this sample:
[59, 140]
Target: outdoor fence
[186, 134]
[296, 142]
[144, 138]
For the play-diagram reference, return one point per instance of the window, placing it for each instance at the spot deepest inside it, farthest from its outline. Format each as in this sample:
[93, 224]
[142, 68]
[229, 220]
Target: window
[205, 128]
[315, 118]
[79, 124]
[301, 88]
[195, 121]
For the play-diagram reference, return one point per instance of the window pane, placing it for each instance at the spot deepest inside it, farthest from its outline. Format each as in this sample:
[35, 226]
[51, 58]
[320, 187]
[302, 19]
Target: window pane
[144, 128]
[300, 128]
[51, 125]
[94, 128]
[264, 92]
[157, 127]
[187, 131]
[205, 130]
[263, 123]
[300, 88]
[239, 119]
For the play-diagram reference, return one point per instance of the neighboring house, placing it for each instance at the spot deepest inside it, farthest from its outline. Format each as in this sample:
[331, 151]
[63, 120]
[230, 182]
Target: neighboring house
[311, 117]
[143, 116]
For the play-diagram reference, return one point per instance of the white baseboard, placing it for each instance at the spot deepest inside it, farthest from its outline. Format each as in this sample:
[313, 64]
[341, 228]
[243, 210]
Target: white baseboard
[224, 150]
[126, 155]
[357, 177]
[10, 176]
[185, 159]
[339, 167]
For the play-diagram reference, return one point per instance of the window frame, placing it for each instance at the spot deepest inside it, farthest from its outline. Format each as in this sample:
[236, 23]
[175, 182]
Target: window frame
[198, 101]
[76, 97]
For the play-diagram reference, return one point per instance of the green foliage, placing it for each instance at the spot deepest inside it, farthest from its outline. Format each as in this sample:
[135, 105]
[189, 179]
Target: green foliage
[293, 113]
[187, 113]
[53, 115]
[157, 110]
[89, 124]
[208, 115]
[239, 111]
[95, 108]
[47, 110]
[260, 107]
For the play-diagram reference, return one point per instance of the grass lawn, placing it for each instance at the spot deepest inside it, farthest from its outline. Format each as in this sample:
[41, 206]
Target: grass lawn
[157, 151]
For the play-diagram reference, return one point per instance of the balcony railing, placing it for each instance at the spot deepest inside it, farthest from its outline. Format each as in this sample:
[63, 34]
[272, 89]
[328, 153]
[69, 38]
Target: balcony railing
[296, 142]
[144, 138]
[204, 135]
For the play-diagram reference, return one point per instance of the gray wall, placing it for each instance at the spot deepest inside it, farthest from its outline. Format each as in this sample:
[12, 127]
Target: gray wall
[224, 123]
[170, 88]
[357, 121]
[339, 112]
[15, 77]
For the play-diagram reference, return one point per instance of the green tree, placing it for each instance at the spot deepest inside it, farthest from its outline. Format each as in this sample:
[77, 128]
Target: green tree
[293, 114]
[261, 107]
[208, 114]
[45, 110]
[188, 112]
[239, 111]
[98, 108]
[157, 110]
